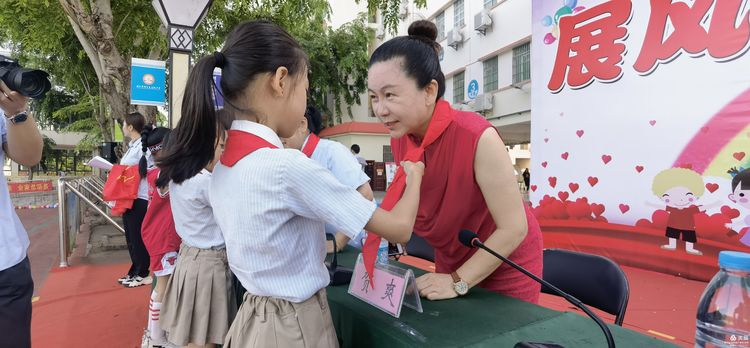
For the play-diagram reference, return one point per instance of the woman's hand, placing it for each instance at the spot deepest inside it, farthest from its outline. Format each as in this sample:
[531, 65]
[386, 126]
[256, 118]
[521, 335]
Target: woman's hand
[436, 286]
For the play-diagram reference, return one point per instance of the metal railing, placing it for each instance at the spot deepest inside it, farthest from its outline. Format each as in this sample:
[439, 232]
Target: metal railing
[87, 189]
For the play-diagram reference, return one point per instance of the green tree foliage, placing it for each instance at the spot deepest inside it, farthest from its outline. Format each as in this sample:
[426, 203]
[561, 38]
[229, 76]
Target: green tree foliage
[87, 47]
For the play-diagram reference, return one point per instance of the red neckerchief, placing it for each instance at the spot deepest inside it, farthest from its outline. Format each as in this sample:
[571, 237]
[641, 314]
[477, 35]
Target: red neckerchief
[240, 144]
[312, 143]
[441, 118]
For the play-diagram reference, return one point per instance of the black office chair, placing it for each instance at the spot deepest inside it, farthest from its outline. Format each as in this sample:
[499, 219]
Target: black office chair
[418, 247]
[595, 280]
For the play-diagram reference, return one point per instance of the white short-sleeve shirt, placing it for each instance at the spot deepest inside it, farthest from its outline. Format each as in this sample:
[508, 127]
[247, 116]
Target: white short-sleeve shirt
[132, 157]
[340, 161]
[345, 167]
[272, 206]
[14, 242]
[193, 215]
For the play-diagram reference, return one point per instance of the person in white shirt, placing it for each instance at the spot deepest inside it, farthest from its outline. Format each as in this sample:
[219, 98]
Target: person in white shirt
[22, 142]
[355, 151]
[138, 274]
[336, 158]
[270, 203]
[198, 305]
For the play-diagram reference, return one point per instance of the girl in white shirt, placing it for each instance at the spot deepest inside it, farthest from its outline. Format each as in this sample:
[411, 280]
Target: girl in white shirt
[132, 219]
[198, 306]
[271, 203]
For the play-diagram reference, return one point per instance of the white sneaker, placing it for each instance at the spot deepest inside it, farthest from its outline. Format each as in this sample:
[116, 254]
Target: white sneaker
[124, 279]
[145, 341]
[138, 281]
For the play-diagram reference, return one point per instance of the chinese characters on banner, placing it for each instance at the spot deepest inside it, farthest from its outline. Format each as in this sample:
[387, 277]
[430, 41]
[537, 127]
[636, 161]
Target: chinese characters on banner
[591, 43]
[28, 187]
[640, 125]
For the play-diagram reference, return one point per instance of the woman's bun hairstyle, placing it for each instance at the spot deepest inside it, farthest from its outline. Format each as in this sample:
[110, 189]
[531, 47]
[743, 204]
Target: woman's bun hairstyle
[425, 31]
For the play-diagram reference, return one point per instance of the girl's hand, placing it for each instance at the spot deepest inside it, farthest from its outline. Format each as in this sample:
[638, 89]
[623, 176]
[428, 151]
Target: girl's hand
[412, 169]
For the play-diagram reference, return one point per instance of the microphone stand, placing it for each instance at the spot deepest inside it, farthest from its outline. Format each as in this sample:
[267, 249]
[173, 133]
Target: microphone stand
[608, 334]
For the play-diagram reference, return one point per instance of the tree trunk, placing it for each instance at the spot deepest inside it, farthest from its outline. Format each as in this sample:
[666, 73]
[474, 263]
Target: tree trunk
[94, 30]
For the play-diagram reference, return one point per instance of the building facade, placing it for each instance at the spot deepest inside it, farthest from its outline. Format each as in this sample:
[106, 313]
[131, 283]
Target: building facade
[486, 60]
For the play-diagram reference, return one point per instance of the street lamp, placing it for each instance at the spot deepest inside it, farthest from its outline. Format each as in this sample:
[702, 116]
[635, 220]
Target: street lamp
[180, 17]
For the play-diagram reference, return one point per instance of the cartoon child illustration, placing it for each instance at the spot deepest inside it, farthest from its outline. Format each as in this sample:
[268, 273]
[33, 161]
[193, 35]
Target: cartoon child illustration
[679, 189]
[741, 197]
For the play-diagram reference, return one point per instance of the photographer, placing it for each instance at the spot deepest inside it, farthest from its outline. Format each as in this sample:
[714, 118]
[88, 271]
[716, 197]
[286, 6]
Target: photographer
[22, 142]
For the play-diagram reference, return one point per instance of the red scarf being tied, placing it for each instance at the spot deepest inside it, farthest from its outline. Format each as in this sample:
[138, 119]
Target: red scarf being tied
[441, 118]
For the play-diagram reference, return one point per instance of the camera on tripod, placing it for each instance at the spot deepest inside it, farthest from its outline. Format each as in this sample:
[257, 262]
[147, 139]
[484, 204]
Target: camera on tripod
[28, 82]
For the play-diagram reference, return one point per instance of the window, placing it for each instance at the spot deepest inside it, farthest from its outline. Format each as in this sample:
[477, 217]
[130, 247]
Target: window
[458, 88]
[440, 23]
[489, 3]
[490, 74]
[521, 63]
[387, 154]
[458, 13]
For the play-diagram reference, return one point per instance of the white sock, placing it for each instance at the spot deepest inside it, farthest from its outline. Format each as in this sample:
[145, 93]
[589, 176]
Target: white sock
[157, 334]
[689, 247]
[672, 243]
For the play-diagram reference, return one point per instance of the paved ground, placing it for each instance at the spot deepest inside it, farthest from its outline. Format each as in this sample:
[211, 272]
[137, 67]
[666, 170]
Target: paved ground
[42, 226]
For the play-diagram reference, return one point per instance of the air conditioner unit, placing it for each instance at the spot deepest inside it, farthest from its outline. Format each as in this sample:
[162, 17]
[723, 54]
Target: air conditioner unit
[463, 107]
[404, 11]
[483, 102]
[482, 21]
[455, 38]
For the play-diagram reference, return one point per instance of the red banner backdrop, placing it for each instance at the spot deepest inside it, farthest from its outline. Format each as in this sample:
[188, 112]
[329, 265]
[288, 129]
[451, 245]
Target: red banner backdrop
[30, 186]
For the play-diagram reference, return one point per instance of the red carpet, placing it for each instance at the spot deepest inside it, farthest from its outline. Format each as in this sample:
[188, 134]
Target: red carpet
[83, 306]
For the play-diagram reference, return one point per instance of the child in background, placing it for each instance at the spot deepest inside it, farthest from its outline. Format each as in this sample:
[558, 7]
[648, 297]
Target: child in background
[198, 304]
[337, 159]
[159, 235]
[132, 219]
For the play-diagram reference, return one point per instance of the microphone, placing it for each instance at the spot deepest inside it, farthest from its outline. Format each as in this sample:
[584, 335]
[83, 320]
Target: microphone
[471, 240]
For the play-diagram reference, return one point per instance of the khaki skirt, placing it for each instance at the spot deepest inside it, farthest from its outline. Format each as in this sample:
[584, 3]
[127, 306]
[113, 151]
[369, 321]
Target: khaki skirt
[198, 306]
[271, 322]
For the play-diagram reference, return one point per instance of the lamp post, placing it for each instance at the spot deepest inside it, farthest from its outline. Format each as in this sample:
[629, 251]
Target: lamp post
[181, 17]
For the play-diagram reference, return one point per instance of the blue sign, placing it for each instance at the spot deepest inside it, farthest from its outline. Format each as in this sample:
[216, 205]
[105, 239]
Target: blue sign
[218, 96]
[473, 89]
[148, 82]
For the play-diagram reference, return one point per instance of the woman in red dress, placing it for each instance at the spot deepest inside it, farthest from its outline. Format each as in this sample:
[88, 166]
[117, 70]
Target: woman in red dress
[468, 181]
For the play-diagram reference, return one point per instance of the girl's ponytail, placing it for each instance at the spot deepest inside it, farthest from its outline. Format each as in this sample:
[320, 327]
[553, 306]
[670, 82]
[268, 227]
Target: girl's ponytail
[143, 163]
[190, 147]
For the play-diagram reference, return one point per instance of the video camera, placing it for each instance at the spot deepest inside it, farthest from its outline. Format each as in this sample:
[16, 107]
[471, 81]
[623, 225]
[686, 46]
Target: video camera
[31, 83]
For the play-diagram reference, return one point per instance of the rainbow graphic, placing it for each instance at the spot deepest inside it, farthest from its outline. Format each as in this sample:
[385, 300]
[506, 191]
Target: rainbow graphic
[723, 142]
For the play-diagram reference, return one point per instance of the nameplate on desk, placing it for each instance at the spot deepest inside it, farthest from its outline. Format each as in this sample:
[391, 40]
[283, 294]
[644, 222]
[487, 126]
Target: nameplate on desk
[393, 288]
